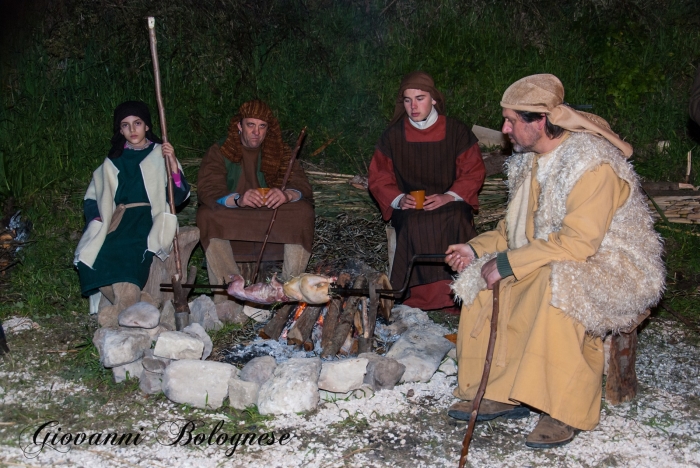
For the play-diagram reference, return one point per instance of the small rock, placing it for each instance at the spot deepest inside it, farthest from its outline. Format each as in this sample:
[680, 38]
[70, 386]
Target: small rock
[203, 311]
[259, 369]
[203, 384]
[452, 353]
[18, 324]
[133, 370]
[259, 315]
[410, 393]
[292, 388]
[382, 372]
[342, 376]
[167, 316]
[140, 315]
[178, 345]
[448, 366]
[151, 383]
[231, 312]
[119, 346]
[197, 331]
[154, 365]
[242, 394]
[421, 349]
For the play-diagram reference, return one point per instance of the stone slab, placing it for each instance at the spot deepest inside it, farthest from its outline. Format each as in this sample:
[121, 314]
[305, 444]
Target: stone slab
[293, 387]
[203, 384]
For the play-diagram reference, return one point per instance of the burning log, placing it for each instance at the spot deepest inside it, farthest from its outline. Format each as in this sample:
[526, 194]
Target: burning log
[302, 328]
[345, 322]
[330, 323]
[273, 328]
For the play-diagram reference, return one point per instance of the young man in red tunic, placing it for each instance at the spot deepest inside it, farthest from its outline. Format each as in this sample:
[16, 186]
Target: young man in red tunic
[424, 150]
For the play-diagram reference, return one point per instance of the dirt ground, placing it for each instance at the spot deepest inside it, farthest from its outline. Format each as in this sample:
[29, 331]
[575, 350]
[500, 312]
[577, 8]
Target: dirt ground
[407, 426]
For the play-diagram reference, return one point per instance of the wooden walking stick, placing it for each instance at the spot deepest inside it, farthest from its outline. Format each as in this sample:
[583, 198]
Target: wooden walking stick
[274, 213]
[484, 378]
[182, 310]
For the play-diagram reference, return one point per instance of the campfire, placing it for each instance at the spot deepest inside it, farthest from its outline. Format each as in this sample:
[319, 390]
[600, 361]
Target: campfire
[344, 326]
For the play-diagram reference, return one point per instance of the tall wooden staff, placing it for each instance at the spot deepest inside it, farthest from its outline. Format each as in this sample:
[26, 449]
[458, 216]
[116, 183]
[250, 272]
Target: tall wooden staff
[182, 310]
[274, 213]
[484, 377]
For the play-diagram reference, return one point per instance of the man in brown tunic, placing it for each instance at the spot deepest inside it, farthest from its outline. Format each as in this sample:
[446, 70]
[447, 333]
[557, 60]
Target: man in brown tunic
[233, 216]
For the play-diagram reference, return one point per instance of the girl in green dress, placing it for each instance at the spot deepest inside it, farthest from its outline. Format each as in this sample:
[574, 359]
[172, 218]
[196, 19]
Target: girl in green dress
[128, 220]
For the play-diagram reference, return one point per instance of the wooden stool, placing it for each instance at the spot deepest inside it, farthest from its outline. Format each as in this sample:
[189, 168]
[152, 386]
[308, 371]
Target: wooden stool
[621, 383]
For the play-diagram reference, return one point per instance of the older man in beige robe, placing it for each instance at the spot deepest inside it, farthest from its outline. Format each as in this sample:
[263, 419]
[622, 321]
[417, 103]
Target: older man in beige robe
[576, 256]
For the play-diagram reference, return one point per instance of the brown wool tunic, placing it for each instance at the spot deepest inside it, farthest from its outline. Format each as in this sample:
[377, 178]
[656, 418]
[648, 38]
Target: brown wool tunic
[294, 223]
[431, 166]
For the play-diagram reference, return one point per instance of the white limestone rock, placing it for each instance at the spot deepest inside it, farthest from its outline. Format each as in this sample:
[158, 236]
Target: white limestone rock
[421, 349]
[242, 394]
[259, 315]
[203, 384]
[259, 369]
[119, 346]
[133, 370]
[197, 331]
[203, 311]
[151, 383]
[342, 376]
[167, 316]
[292, 388]
[382, 372]
[448, 366]
[178, 345]
[231, 312]
[140, 315]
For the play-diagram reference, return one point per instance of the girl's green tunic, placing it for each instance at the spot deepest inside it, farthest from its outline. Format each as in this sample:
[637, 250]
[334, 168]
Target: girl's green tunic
[124, 257]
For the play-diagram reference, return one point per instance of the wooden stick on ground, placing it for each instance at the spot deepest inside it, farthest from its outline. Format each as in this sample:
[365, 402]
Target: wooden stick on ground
[484, 377]
[182, 309]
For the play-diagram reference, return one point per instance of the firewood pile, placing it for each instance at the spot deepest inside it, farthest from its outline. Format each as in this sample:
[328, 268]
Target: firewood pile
[345, 326]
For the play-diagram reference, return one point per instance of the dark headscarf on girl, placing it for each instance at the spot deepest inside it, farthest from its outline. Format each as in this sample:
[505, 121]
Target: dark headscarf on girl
[125, 109]
[424, 82]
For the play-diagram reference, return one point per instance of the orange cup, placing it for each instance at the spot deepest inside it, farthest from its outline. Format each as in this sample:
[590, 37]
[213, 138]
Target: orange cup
[263, 193]
[419, 196]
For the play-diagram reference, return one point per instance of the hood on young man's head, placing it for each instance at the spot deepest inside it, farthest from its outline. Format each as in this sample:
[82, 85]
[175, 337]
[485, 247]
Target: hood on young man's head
[424, 82]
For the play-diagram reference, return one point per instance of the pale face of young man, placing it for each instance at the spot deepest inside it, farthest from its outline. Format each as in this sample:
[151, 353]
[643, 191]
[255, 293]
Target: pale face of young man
[418, 104]
[134, 130]
[523, 135]
[253, 132]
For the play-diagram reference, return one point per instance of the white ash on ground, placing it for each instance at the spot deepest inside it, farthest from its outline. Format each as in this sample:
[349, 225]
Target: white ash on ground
[406, 426]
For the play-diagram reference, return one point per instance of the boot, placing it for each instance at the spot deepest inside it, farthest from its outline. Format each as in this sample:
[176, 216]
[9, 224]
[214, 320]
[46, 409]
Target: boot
[296, 258]
[125, 295]
[550, 433]
[220, 265]
[488, 410]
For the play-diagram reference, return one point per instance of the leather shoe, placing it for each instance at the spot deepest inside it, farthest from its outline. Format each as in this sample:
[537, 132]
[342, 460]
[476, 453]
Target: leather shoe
[488, 410]
[550, 433]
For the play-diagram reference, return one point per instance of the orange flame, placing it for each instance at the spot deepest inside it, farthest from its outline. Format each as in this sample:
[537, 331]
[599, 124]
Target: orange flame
[320, 321]
[300, 310]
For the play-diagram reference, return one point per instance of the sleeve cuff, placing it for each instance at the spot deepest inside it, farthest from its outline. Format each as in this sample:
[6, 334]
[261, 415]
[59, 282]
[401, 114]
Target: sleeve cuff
[222, 200]
[503, 265]
[457, 197]
[397, 200]
[475, 254]
[298, 192]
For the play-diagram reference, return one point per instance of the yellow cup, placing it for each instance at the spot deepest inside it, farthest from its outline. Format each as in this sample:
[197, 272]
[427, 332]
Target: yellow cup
[419, 196]
[263, 193]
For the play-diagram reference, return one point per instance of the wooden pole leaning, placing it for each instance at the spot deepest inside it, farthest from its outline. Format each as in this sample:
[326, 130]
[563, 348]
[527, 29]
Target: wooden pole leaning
[274, 213]
[484, 377]
[182, 310]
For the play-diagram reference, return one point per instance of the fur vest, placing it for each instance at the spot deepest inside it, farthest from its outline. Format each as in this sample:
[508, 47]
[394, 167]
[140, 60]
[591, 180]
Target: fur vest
[625, 276]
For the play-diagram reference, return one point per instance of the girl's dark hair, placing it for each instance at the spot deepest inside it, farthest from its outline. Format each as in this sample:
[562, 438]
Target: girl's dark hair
[124, 110]
[552, 131]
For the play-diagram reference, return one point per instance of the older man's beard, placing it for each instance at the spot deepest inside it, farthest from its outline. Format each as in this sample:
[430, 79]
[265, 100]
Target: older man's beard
[531, 138]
